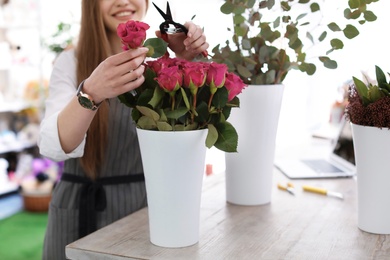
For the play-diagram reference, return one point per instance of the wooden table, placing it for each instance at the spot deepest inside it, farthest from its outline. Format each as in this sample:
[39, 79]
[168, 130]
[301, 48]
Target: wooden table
[304, 226]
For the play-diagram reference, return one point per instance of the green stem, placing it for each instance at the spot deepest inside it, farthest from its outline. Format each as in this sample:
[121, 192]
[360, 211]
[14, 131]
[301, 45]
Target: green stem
[193, 107]
[211, 98]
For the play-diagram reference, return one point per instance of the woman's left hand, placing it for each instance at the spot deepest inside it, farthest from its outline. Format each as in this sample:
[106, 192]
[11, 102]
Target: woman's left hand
[187, 46]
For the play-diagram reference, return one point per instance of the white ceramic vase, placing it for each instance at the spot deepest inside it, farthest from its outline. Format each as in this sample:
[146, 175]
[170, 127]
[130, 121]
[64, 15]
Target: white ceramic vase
[249, 172]
[372, 155]
[174, 165]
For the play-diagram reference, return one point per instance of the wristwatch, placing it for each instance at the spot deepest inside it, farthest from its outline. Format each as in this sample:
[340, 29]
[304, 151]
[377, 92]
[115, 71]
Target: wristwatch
[85, 100]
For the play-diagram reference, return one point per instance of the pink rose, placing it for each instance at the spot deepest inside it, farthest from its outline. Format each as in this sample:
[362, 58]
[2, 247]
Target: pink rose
[158, 65]
[216, 76]
[132, 33]
[234, 85]
[170, 79]
[194, 75]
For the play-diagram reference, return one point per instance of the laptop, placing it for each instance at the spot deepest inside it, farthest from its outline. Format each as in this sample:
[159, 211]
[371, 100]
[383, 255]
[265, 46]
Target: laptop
[339, 164]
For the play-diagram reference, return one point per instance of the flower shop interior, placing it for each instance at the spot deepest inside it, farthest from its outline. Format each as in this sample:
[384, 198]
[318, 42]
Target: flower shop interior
[34, 32]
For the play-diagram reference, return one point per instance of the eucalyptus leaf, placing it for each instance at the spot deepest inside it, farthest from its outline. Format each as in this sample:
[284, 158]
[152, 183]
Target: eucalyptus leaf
[314, 7]
[370, 16]
[298, 23]
[336, 44]
[350, 31]
[159, 46]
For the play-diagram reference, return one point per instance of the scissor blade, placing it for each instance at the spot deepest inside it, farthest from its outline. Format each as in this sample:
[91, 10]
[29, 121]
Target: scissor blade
[161, 12]
[168, 13]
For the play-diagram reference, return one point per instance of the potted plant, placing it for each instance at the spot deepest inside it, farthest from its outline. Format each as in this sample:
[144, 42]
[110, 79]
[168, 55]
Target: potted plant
[269, 39]
[368, 110]
[181, 108]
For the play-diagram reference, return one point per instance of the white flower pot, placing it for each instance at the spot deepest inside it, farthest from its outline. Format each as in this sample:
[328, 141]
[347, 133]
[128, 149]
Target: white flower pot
[174, 165]
[372, 154]
[249, 172]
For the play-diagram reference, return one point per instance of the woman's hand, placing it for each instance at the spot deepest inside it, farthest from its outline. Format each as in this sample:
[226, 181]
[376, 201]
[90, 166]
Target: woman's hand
[187, 46]
[116, 75]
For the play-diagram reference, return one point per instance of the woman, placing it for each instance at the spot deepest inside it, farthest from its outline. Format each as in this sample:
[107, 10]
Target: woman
[91, 130]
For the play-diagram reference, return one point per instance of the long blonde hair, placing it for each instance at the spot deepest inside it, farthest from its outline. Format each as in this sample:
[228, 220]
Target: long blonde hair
[93, 47]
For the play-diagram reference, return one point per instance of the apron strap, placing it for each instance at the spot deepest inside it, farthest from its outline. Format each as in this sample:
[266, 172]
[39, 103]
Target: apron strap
[93, 197]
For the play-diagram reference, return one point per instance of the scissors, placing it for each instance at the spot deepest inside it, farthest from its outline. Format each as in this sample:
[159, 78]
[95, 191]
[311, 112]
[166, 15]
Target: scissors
[171, 27]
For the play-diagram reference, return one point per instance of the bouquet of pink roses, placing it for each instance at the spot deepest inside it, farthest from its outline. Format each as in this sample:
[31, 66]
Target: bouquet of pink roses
[180, 95]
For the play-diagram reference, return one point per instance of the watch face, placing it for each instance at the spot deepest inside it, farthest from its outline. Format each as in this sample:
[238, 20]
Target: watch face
[85, 102]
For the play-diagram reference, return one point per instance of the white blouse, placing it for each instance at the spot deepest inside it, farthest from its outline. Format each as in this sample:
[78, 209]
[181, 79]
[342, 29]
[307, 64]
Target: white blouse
[62, 88]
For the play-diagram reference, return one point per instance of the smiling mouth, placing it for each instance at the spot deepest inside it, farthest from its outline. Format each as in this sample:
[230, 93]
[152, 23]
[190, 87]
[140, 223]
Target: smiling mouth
[123, 14]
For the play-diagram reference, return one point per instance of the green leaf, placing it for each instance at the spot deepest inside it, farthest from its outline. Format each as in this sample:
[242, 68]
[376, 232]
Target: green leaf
[227, 8]
[301, 16]
[352, 15]
[314, 7]
[158, 95]
[164, 126]
[238, 19]
[322, 36]
[239, 10]
[145, 122]
[270, 4]
[309, 68]
[243, 71]
[328, 63]
[159, 46]
[270, 77]
[350, 31]
[380, 77]
[361, 88]
[285, 6]
[220, 98]
[251, 3]
[374, 94]
[177, 113]
[310, 37]
[212, 136]
[203, 112]
[240, 31]
[354, 4]
[149, 112]
[185, 98]
[336, 44]
[193, 126]
[227, 137]
[334, 27]
[369, 16]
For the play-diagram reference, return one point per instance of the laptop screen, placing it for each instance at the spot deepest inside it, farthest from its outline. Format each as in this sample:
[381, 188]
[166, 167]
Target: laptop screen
[344, 144]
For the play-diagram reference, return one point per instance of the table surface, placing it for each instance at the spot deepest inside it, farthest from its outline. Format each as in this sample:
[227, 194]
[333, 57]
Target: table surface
[304, 226]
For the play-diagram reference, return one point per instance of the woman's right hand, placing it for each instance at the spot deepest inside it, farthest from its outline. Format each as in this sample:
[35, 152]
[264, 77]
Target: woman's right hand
[116, 75]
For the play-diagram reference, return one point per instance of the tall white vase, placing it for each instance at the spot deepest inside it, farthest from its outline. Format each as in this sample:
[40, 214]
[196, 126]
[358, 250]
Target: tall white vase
[174, 165]
[372, 155]
[249, 172]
